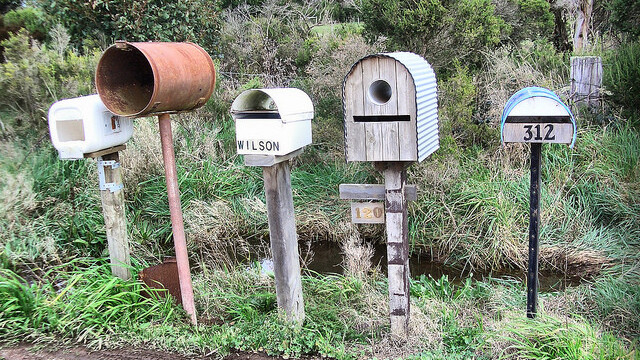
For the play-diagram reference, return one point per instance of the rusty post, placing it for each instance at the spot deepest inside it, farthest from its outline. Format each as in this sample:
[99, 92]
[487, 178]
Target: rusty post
[177, 224]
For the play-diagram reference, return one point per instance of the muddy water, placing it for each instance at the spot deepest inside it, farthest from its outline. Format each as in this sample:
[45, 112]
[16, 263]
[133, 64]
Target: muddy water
[326, 258]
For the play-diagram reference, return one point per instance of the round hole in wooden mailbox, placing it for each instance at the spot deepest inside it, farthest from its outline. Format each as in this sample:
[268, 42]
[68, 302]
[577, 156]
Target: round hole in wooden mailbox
[141, 79]
[380, 92]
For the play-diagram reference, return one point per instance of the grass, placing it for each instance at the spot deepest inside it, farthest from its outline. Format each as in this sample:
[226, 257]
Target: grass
[590, 215]
[471, 212]
[345, 317]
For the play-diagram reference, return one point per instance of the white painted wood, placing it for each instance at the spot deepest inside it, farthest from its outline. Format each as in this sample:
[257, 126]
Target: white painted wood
[354, 132]
[407, 130]
[555, 133]
[269, 160]
[115, 221]
[539, 106]
[284, 240]
[372, 192]
[367, 213]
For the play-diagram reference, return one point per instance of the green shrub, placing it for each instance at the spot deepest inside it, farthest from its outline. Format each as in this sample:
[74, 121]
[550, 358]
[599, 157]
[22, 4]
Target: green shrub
[625, 16]
[458, 103]
[30, 18]
[440, 31]
[157, 20]
[622, 80]
[35, 76]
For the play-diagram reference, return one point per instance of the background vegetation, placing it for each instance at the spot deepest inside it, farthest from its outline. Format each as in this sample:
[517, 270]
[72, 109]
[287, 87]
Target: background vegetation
[471, 213]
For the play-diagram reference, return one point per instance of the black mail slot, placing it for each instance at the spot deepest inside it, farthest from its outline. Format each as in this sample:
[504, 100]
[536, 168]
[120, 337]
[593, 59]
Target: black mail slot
[381, 118]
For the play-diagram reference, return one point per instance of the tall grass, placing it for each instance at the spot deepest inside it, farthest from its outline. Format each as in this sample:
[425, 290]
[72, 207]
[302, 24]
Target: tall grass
[551, 338]
[80, 301]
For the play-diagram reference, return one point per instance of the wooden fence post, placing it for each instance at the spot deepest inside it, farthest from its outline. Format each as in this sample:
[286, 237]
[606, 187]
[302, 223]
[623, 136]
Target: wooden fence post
[115, 220]
[284, 240]
[395, 176]
[586, 81]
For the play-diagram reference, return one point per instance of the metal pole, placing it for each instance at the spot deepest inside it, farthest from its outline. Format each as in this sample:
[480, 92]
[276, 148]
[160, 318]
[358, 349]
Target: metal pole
[177, 224]
[534, 230]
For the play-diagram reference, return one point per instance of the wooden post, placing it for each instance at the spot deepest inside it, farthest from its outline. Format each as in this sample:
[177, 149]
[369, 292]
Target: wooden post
[586, 81]
[395, 176]
[534, 229]
[115, 220]
[284, 240]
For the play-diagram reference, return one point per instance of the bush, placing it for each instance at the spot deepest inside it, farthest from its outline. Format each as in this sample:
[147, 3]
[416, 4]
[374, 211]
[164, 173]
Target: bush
[157, 20]
[458, 103]
[622, 80]
[625, 16]
[35, 76]
[32, 19]
[440, 31]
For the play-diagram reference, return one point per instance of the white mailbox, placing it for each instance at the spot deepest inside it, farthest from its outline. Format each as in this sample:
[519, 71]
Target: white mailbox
[83, 125]
[272, 121]
[537, 115]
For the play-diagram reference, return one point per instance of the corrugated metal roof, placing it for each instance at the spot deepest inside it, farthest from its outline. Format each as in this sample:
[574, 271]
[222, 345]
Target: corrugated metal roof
[424, 79]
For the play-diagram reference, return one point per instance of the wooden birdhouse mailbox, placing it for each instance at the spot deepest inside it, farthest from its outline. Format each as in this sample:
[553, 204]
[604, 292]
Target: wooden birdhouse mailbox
[272, 121]
[390, 108]
[390, 118]
[537, 115]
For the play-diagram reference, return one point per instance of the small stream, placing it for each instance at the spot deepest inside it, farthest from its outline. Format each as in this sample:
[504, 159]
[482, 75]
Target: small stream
[327, 259]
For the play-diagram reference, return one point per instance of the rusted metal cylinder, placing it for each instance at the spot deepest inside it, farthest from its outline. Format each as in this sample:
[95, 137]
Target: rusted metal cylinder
[177, 223]
[140, 79]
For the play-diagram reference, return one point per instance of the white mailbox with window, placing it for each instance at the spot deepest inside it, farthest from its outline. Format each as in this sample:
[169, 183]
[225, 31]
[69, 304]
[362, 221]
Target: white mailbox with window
[84, 125]
[537, 115]
[272, 121]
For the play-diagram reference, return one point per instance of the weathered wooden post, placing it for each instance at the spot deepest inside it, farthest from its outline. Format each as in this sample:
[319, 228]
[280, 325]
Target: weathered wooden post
[145, 79]
[391, 119]
[586, 81]
[536, 115]
[273, 126]
[84, 128]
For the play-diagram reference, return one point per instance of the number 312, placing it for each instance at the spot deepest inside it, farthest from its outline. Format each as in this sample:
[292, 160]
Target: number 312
[529, 134]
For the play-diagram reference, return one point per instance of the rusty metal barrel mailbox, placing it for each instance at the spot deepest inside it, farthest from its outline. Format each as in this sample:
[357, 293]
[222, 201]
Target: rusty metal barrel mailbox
[160, 78]
[139, 79]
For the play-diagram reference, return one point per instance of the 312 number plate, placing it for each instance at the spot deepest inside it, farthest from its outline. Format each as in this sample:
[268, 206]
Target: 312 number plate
[538, 132]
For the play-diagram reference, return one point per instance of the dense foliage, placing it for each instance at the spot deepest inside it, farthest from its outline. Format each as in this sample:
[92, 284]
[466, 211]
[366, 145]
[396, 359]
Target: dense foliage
[625, 16]
[149, 20]
[470, 216]
[623, 80]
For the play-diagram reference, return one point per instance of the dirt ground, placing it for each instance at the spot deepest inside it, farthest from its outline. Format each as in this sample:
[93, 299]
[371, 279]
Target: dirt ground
[30, 352]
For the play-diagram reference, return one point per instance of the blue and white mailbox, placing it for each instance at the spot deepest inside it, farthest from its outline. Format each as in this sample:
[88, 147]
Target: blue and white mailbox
[537, 115]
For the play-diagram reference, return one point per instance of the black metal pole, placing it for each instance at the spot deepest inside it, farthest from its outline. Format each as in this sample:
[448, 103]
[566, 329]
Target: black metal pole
[534, 230]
